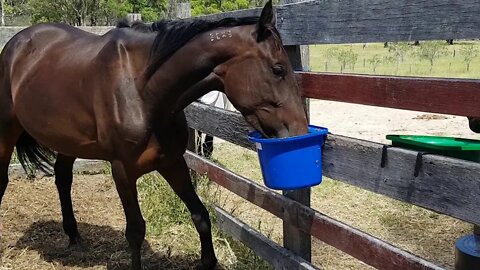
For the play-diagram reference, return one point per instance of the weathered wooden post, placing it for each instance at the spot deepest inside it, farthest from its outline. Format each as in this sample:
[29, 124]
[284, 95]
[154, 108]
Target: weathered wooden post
[294, 239]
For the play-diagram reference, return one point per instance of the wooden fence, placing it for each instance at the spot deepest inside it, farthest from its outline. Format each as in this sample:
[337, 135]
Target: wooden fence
[444, 185]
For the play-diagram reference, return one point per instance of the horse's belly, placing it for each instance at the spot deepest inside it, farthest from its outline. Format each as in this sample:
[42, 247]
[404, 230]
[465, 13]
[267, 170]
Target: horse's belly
[60, 125]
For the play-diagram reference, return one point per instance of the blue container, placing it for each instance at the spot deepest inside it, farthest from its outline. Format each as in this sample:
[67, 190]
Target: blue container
[293, 162]
[467, 252]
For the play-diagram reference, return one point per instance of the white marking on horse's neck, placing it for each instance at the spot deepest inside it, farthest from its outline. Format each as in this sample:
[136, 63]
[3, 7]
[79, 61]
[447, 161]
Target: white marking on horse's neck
[220, 35]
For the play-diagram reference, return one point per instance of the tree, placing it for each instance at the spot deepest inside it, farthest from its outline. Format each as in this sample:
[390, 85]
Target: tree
[375, 61]
[469, 52]
[399, 50]
[346, 57]
[152, 10]
[201, 7]
[95, 12]
[430, 51]
[49, 11]
[111, 10]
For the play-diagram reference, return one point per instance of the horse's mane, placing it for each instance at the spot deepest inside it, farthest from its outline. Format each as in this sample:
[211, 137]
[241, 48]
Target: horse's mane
[174, 34]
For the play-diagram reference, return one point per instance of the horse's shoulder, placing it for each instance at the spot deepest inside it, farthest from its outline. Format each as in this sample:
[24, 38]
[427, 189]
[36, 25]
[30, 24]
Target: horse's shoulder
[113, 44]
[117, 44]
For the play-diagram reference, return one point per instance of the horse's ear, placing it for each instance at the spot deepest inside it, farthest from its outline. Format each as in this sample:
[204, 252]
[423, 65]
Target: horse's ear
[266, 21]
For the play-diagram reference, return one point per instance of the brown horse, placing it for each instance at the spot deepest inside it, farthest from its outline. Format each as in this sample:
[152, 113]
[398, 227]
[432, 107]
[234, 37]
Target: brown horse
[120, 98]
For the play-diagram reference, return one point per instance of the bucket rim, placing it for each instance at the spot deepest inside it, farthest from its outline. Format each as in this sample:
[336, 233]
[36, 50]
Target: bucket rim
[313, 131]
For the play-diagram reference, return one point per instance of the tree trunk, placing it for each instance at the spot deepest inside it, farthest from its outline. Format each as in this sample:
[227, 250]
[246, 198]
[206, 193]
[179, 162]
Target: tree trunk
[3, 12]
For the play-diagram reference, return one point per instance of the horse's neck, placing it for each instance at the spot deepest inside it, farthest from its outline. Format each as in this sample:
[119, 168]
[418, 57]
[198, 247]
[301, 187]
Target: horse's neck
[189, 73]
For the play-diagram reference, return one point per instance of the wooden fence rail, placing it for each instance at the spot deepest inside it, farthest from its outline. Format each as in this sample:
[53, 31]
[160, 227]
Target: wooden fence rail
[347, 21]
[278, 256]
[436, 95]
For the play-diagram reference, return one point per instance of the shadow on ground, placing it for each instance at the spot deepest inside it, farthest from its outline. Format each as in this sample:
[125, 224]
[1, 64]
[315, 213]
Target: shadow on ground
[102, 246]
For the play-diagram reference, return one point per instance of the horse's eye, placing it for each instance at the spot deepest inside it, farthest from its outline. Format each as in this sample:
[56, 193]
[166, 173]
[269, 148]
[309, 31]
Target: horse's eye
[279, 70]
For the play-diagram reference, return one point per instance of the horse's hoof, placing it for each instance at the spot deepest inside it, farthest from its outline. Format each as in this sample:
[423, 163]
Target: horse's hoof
[76, 242]
[207, 266]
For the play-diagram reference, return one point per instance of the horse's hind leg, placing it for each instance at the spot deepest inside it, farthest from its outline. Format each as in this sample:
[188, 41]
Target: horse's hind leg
[63, 180]
[178, 177]
[10, 130]
[6, 150]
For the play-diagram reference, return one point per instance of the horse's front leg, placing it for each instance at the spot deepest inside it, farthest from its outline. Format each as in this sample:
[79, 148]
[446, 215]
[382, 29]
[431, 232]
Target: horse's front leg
[125, 183]
[178, 177]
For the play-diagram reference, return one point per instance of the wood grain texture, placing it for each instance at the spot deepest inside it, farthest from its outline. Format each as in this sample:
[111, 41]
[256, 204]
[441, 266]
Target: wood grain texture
[360, 245]
[276, 255]
[224, 124]
[348, 21]
[445, 185]
[448, 96]
[294, 239]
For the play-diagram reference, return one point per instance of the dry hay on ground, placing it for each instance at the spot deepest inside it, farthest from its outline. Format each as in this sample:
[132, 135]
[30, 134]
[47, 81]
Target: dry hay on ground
[32, 236]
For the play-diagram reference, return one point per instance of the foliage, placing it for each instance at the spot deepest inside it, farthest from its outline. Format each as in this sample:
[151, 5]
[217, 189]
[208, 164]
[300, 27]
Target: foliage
[430, 51]
[94, 12]
[200, 7]
[399, 51]
[344, 57]
[107, 12]
[16, 7]
[469, 52]
[374, 62]
[166, 216]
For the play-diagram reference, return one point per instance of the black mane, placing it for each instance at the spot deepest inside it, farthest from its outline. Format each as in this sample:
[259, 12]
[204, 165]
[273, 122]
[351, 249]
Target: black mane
[174, 34]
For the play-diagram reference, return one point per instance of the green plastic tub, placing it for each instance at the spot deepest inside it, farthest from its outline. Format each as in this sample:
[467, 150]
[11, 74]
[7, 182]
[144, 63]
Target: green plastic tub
[467, 149]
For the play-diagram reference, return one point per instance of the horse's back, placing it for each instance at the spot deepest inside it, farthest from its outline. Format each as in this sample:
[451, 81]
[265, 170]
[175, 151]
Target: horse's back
[75, 92]
[58, 85]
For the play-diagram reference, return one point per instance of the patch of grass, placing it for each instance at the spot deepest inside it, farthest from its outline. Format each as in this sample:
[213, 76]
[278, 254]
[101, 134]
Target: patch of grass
[167, 218]
[14, 158]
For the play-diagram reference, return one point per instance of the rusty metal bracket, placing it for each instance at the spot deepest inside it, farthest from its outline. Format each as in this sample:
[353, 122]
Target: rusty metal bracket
[384, 155]
[418, 162]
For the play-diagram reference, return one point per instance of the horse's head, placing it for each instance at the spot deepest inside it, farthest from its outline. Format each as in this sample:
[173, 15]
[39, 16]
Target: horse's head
[260, 82]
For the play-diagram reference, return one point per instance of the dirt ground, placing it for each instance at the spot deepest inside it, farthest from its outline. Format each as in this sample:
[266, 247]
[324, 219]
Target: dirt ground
[32, 237]
[31, 234]
[374, 123]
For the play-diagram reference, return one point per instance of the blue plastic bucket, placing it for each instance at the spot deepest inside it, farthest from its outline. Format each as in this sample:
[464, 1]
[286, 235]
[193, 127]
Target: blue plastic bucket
[293, 162]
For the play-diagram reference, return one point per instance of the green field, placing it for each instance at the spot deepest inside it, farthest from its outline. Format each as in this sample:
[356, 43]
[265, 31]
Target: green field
[450, 64]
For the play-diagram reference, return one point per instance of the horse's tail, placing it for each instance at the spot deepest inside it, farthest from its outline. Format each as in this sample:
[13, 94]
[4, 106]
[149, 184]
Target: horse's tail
[34, 156]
